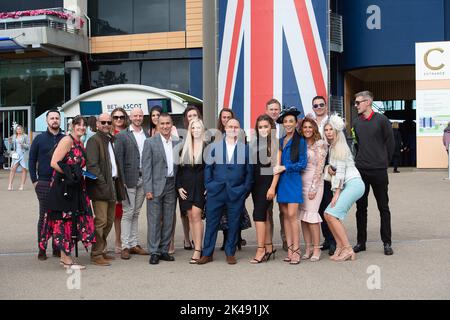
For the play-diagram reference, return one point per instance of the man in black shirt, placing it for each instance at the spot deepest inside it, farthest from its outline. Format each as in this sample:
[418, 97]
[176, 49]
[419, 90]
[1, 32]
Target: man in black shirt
[375, 147]
[41, 171]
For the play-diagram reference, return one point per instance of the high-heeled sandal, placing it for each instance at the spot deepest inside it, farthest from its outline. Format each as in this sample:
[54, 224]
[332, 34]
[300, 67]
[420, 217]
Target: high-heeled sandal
[316, 258]
[255, 261]
[72, 266]
[193, 260]
[21, 188]
[269, 254]
[308, 252]
[336, 254]
[295, 261]
[349, 255]
[10, 188]
[288, 259]
[190, 246]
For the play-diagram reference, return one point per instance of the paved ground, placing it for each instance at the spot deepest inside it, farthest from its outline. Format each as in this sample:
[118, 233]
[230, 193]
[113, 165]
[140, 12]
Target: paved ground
[419, 269]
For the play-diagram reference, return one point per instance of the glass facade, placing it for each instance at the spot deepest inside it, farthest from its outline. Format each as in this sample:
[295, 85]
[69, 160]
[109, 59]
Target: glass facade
[116, 17]
[38, 83]
[162, 69]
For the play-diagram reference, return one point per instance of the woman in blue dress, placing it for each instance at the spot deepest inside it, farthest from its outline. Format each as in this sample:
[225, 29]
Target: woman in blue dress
[19, 144]
[292, 159]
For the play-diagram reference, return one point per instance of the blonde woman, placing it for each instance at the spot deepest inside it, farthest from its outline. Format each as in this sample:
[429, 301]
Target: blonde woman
[346, 184]
[19, 145]
[190, 182]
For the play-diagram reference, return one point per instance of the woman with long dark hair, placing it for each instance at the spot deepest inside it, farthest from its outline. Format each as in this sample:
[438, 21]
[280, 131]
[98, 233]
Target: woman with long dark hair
[292, 159]
[263, 151]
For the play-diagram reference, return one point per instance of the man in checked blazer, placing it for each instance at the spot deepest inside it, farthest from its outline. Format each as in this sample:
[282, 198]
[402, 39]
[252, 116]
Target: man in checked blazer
[129, 148]
[159, 170]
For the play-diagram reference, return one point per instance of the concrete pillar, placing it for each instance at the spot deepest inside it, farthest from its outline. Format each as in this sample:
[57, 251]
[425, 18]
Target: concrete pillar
[210, 67]
[75, 74]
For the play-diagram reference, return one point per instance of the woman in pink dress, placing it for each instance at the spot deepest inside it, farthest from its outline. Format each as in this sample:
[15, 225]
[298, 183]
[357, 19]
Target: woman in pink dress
[312, 182]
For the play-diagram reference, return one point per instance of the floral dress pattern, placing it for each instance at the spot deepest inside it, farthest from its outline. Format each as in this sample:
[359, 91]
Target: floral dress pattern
[60, 224]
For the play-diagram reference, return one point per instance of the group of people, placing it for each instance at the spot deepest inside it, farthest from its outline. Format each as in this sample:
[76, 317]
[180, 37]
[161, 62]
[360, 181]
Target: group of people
[302, 162]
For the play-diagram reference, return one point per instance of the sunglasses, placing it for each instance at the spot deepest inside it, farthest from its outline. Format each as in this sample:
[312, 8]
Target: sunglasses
[119, 117]
[320, 105]
[357, 103]
[106, 122]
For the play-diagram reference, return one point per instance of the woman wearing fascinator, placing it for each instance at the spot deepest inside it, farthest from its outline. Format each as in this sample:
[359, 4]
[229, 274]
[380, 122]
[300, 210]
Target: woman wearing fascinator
[292, 159]
[346, 184]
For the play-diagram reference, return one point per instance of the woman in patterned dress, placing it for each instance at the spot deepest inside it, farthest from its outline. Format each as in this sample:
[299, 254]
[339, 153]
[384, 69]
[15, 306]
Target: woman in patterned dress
[69, 214]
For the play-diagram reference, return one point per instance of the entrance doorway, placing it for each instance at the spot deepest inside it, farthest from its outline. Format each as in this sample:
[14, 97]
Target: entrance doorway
[8, 117]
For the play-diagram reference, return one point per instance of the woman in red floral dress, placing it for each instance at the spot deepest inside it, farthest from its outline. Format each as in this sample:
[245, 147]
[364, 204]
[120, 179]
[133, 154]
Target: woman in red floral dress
[69, 212]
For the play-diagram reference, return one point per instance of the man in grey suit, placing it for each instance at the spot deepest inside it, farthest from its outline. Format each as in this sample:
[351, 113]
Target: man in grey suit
[160, 169]
[129, 148]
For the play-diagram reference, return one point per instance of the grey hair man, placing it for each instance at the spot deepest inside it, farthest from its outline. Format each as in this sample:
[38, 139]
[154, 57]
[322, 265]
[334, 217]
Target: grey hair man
[129, 148]
[160, 170]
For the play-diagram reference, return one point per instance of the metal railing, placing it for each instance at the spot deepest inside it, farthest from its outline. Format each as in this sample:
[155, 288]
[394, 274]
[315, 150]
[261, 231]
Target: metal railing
[43, 20]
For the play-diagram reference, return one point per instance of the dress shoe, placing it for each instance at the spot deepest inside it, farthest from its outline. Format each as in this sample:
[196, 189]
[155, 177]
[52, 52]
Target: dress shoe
[108, 257]
[56, 253]
[205, 259]
[42, 255]
[388, 249]
[231, 260]
[100, 261]
[138, 250]
[332, 249]
[154, 259]
[325, 246]
[125, 254]
[359, 247]
[166, 257]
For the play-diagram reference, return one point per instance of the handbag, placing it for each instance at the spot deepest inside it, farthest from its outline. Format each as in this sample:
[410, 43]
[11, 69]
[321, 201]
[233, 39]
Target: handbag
[14, 155]
[326, 174]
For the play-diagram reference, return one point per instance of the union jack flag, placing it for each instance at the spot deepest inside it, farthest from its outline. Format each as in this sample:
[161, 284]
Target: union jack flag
[271, 49]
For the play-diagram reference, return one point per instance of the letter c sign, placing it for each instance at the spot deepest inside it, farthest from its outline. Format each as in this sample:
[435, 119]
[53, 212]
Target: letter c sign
[425, 59]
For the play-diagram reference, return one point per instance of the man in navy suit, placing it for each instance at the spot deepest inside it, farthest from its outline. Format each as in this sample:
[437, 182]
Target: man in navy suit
[228, 182]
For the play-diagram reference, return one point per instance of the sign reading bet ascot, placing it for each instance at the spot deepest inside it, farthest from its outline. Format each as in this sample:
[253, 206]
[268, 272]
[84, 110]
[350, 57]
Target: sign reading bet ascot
[433, 87]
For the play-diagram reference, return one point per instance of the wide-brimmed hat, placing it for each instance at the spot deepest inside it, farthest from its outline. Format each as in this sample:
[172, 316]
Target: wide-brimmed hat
[286, 112]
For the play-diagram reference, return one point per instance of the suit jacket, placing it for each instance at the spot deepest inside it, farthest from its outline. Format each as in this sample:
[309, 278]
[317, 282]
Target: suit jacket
[235, 177]
[98, 162]
[154, 164]
[128, 156]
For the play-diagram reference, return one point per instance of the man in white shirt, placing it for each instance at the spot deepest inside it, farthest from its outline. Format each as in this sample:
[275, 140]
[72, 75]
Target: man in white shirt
[106, 188]
[129, 148]
[159, 172]
[320, 115]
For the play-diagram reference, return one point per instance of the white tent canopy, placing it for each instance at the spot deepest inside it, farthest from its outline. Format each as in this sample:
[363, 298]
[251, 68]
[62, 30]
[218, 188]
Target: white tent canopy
[127, 96]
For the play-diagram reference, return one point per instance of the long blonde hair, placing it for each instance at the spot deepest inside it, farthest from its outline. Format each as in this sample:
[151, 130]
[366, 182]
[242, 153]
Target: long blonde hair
[339, 149]
[187, 154]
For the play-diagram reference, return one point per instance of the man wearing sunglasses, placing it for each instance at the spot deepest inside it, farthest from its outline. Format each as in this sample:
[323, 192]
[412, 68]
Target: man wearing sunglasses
[320, 115]
[375, 148]
[106, 189]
